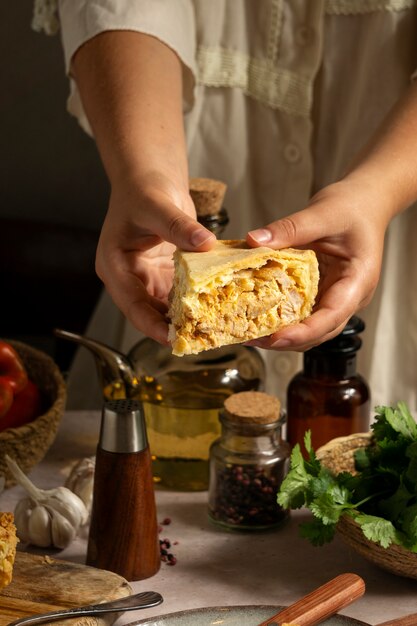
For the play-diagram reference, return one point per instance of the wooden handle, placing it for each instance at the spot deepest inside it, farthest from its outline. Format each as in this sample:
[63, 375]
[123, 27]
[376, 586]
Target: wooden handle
[124, 531]
[321, 603]
[407, 620]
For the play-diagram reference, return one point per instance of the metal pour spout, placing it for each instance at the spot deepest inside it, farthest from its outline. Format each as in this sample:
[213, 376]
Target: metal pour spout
[116, 372]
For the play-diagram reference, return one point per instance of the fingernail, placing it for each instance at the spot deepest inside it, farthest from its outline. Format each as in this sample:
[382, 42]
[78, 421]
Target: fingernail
[262, 235]
[199, 237]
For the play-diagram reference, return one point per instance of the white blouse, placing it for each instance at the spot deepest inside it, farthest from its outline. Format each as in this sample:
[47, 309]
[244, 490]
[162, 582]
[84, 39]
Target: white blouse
[279, 95]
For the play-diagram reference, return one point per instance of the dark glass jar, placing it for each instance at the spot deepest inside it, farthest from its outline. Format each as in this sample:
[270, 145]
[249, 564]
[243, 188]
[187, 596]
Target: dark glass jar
[248, 463]
[329, 397]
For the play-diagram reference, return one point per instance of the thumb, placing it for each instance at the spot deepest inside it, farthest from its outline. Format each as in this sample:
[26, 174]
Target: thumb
[175, 226]
[298, 229]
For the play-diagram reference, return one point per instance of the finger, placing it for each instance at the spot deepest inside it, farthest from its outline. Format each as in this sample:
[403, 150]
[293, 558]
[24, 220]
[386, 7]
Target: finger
[333, 312]
[146, 313]
[145, 317]
[175, 226]
[298, 229]
[280, 341]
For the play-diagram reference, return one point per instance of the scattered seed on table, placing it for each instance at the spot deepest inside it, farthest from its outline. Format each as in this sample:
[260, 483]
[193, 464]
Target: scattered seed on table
[164, 545]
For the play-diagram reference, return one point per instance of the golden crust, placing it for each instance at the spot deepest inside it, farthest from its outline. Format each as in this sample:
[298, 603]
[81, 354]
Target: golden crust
[234, 293]
[8, 542]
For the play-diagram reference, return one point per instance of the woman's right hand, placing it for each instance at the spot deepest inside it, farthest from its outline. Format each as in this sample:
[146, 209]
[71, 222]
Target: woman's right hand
[131, 88]
[144, 223]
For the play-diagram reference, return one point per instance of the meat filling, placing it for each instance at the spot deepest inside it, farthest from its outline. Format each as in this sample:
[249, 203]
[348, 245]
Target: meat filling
[252, 300]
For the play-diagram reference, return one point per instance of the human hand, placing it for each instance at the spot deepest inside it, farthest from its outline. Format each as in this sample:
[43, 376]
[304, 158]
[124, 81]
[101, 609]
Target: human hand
[143, 225]
[131, 89]
[345, 224]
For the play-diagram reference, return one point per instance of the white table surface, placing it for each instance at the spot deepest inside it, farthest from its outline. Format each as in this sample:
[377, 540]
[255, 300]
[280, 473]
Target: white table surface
[220, 568]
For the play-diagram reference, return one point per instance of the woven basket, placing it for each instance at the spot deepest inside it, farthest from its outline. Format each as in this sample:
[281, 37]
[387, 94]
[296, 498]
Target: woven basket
[338, 456]
[29, 443]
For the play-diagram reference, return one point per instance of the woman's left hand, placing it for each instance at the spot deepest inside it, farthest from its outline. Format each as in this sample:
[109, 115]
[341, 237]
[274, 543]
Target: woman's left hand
[345, 225]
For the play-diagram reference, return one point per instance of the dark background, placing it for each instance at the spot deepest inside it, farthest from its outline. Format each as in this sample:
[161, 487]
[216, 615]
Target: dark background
[53, 192]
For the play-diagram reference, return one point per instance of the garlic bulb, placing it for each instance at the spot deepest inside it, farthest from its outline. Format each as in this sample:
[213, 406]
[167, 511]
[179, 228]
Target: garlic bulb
[81, 480]
[47, 517]
[39, 527]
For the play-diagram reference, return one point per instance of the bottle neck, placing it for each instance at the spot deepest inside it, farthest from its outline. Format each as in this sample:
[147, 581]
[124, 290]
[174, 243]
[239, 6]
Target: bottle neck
[329, 365]
[215, 223]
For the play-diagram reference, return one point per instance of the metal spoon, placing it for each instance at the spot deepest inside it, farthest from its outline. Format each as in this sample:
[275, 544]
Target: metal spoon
[143, 600]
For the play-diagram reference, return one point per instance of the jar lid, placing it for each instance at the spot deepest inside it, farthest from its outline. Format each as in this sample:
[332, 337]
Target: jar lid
[252, 407]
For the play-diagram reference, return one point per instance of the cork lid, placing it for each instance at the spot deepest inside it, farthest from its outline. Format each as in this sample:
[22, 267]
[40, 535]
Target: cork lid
[207, 195]
[252, 407]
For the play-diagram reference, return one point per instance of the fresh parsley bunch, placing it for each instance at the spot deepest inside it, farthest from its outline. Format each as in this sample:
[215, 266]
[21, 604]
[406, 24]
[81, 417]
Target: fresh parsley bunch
[381, 497]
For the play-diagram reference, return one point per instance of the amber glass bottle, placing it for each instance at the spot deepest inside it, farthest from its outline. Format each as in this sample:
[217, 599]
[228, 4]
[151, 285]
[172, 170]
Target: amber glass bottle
[329, 397]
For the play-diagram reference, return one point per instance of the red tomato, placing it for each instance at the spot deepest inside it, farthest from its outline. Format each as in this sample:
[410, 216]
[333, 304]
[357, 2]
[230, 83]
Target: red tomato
[27, 405]
[12, 369]
[6, 397]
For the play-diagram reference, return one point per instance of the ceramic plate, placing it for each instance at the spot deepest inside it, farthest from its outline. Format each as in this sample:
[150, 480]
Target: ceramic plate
[232, 616]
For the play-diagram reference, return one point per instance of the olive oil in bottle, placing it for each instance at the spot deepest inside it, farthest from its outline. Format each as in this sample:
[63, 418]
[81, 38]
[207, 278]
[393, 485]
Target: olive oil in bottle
[182, 398]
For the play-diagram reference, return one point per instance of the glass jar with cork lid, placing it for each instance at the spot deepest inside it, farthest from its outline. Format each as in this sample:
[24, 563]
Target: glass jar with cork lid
[248, 463]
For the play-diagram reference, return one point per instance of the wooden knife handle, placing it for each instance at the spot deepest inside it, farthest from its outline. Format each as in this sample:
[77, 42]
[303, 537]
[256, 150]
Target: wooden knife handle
[321, 603]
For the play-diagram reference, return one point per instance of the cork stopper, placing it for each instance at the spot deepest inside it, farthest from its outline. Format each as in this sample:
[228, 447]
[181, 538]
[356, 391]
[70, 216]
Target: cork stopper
[207, 195]
[252, 407]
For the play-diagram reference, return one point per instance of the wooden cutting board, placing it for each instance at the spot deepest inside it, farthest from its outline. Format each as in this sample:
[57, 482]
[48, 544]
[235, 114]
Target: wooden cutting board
[42, 583]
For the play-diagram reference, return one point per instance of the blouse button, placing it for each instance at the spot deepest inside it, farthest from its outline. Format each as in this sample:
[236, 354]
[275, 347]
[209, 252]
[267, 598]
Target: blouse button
[292, 153]
[303, 35]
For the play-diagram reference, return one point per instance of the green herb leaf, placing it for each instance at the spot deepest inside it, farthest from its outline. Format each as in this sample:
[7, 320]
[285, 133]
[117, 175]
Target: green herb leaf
[329, 506]
[397, 419]
[381, 496]
[317, 532]
[377, 529]
[409, 527]
[393, 507]
[411, 473]
[312, 465]
[362, 460]
[404, 422]
[295, 485]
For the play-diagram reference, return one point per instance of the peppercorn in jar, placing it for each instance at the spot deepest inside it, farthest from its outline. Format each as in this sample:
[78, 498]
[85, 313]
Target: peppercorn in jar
[248, 463]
